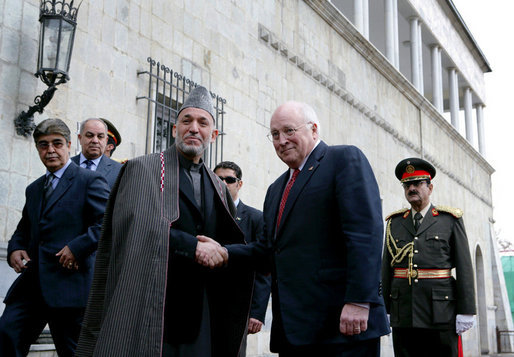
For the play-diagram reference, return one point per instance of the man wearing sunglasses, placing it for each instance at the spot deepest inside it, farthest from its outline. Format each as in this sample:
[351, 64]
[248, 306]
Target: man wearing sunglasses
[428, 308]
[250, 221]
[53, 248]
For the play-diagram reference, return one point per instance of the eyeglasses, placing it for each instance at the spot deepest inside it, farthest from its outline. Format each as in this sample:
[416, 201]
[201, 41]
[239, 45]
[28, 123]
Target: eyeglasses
[413, 183]
[229, 179]
[287, 132]
[44, 145]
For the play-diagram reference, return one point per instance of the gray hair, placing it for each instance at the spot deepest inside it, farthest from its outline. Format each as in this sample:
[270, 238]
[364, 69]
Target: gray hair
[52, 126]
[89, 119]
[309, 115]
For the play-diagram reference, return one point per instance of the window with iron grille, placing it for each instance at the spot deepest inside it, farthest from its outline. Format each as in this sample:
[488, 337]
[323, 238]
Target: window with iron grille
[167, 90]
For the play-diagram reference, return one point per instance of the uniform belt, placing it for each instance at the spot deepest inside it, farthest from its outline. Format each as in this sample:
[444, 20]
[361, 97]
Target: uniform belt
[422, 273]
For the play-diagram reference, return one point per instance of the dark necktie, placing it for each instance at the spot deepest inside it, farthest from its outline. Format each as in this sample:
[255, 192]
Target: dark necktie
[48, 188]
[417, 220]
[285, 194]
[89, 164]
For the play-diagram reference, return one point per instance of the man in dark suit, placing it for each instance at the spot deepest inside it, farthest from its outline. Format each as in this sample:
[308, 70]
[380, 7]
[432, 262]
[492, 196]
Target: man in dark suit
[251, 223]
[93, 140]
[53, 248]
[323, 225]
[428, 307]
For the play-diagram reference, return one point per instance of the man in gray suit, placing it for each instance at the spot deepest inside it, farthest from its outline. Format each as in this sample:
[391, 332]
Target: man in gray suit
[93, 140]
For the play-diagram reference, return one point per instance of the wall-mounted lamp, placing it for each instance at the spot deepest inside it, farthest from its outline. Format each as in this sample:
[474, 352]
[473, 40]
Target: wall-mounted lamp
[58, 21]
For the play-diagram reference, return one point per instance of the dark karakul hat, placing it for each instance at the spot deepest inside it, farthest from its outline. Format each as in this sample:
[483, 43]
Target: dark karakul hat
[414, 169]
[199, 98]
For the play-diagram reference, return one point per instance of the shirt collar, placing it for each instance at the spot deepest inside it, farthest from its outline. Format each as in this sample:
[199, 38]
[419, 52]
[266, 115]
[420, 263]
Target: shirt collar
[95, 161]
[186, 163]
[423, 211]
[60, 172]
[304, 160]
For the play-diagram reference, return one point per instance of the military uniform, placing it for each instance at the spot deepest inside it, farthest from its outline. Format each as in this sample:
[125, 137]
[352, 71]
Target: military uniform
[420, 293]
[439, 244]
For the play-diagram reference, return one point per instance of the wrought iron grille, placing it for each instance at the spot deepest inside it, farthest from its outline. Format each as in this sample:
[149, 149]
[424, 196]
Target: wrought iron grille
[167, 91]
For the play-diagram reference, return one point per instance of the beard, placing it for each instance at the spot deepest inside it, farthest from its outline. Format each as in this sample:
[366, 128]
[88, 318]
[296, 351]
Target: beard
[190, 150]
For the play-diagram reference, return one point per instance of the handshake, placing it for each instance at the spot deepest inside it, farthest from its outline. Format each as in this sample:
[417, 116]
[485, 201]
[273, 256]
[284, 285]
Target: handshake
[210, 253]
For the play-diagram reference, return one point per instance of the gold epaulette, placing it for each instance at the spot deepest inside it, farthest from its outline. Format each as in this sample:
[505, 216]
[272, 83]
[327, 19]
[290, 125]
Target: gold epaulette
[455, 212]
[121, 161]
[395, 213]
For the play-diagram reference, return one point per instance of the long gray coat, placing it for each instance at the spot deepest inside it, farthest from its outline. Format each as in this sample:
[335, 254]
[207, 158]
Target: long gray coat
[125, 311]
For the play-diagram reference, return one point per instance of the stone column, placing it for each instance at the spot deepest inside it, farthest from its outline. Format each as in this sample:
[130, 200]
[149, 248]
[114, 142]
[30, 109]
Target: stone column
[480, 128]
[454, 97]
[414, 52]
[358, 18]
[391, 25]
[396, 35]
[365, 14]
[420, 61]
[361, 16]
[437, 79]
[468, 115]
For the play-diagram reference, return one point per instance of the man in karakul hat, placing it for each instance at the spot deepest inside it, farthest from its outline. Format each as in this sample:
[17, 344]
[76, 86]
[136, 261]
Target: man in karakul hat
[428, 308]
[168, 217]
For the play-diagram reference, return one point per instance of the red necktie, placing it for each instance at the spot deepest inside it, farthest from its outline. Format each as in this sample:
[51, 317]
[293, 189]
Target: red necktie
[285, 194]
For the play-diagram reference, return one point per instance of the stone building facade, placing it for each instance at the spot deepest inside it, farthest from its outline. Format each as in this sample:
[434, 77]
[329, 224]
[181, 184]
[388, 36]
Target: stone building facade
[396, 78]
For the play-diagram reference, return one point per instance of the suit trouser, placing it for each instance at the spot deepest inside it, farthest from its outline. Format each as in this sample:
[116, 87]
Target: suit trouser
[24, 319]
[421, 342]
[280, 344]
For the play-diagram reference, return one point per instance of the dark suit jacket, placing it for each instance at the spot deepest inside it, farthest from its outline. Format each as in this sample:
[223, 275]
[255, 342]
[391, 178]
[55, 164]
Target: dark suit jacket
[73, 217]
[251, 223]
[187, 280]
[439, 243]
[327, 250]
[107, 167]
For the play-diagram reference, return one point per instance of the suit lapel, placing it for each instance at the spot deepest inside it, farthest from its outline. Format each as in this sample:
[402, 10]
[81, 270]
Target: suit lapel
[35, 201]
[240, 215]
[408, 224]
[103, 165]
[62, 186]
[186, 187]
[305, 175]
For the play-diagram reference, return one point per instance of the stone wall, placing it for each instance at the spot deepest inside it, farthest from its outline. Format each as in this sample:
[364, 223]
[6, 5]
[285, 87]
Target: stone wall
[256, 54]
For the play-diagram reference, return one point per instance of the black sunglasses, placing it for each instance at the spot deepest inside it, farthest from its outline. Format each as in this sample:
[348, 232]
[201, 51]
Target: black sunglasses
[229, 179]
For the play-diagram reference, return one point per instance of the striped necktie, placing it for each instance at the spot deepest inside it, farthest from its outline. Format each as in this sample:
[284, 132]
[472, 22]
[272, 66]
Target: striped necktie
[89, 164]
[48, 187]
[285, 195]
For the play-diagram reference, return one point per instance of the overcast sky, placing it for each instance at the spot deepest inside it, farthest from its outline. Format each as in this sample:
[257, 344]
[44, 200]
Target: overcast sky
[492, 26]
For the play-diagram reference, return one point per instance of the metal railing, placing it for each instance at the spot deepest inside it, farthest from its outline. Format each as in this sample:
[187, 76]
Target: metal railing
[505, 340]
[167, 90]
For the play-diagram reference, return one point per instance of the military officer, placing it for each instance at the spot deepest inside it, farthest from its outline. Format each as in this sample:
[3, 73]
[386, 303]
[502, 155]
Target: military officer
[428, 307]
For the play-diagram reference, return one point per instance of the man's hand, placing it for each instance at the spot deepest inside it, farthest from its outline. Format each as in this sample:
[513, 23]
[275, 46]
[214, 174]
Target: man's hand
[210, 253]
[16, 260]
[354, 319]
[254, 325]
[67, 259]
